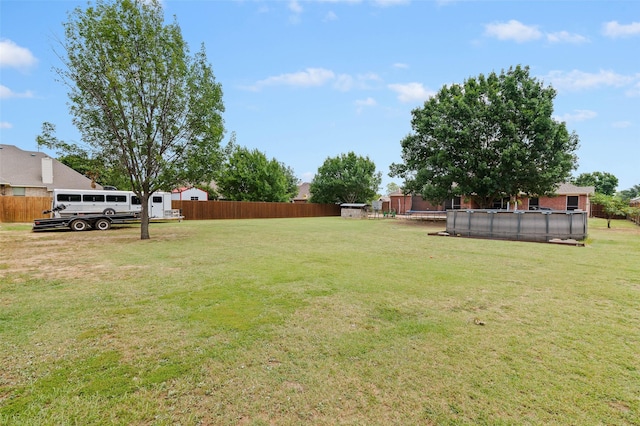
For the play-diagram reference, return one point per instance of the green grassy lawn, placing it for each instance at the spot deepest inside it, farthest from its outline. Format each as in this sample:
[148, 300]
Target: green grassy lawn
[317, 321]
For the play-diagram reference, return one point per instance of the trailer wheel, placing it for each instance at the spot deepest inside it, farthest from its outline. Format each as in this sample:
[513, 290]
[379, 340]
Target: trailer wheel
[79, 225]
[109, 212]
[102, 224]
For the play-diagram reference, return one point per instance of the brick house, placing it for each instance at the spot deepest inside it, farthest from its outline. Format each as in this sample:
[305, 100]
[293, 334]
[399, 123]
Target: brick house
[568, 197]
[402, 203]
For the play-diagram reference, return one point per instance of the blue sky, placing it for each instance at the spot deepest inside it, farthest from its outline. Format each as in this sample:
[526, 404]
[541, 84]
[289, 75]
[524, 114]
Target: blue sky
[308, 80]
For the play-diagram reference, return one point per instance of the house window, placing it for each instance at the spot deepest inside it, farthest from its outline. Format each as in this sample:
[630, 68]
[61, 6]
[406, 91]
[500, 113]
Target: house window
[19, 191]
[452, 204]
[572, 202]
[534, 203]
[195, 199]
[501, 204]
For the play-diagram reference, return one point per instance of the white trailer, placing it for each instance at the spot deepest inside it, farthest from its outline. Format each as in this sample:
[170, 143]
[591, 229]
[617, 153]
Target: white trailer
[69, 202]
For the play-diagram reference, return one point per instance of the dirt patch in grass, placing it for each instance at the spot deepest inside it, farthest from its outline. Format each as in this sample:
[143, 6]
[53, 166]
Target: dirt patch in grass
[32, 254]
[66, 255]
[43, 254]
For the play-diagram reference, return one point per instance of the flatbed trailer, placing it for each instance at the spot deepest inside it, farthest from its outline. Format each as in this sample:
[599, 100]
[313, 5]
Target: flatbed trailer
[101, 222]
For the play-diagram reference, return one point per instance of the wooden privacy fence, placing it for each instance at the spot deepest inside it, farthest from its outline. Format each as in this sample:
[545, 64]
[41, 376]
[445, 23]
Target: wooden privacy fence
[201, 210]
[597, 210]
[23, 209]
[26, 209]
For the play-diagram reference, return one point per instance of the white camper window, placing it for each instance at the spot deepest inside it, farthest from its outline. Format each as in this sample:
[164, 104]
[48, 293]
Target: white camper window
[116, 198]
[93, 198]
[69, 197]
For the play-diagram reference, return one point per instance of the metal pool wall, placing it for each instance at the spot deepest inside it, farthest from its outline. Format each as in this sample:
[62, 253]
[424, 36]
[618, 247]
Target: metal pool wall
[518, 225]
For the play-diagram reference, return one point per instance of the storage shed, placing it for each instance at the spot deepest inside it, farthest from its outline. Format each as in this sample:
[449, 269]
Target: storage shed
[190, 194]
[354, 210]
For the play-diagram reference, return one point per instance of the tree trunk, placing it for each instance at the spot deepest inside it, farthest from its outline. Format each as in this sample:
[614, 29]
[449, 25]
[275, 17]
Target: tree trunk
[144, 223]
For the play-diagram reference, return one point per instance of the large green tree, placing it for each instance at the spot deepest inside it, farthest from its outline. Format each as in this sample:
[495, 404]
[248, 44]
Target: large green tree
[247, 175]
[491, 137]
[140, 99]
[348, 178]
[604, 183]
[628, 194]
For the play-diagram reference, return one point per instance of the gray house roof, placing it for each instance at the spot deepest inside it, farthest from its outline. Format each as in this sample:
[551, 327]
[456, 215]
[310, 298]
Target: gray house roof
[571, 189]
[303, 192]
[31, 169]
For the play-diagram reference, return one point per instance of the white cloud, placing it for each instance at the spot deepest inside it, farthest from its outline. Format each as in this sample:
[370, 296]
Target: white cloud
[411, 92]
[369, 77]
[307, 176]
[382, 3]
[366, 102]
[577, 115]
[6, 93]
[513, 30]
[296, 12]
[566, 37]
[5, 125]
[387, 3]
[621, 124]
[400, 65]
[14, 56]
[330, 16]
[614, 30]
[307, 78]
[345, 82]
[295, 7]
[314, 77]
[521, 33]
[578, 80]
[339, 1]
[635, 90]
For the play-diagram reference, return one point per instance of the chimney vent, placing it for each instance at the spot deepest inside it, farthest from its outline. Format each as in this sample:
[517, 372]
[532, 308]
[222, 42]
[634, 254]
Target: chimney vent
[47, 170]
